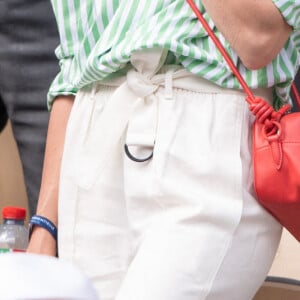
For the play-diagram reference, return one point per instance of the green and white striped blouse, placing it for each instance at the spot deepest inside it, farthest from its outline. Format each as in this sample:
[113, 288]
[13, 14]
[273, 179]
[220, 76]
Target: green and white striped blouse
[98, 37]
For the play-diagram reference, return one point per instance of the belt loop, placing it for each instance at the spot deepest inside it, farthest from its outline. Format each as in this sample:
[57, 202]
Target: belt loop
[169, 84]
[93, 91]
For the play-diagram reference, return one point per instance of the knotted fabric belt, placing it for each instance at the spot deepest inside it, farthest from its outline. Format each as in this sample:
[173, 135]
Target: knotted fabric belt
[142, 81]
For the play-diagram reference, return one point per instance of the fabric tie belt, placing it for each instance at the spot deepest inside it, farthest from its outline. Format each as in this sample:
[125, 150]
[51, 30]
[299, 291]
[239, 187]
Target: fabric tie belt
[141, 82]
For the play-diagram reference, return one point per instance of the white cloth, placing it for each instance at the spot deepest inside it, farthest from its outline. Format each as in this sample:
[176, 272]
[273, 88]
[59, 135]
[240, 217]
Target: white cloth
[26, 276]
[184, 225]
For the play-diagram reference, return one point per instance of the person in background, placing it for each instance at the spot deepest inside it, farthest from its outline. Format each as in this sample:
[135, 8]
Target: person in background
[28, 37]
[3, 115]
[147, 171]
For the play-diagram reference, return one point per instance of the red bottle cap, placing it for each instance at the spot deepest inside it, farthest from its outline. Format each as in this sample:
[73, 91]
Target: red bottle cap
[12, 212]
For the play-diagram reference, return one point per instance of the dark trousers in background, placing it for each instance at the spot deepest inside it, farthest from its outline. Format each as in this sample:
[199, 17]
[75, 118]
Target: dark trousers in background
[28, 37]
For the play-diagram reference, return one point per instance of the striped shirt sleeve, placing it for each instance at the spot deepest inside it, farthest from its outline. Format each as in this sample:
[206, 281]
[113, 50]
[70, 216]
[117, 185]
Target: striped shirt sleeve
[67, 15]
[290, 10]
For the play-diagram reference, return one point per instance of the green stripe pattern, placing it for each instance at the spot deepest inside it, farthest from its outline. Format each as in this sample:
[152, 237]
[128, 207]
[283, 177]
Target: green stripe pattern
[97, 38]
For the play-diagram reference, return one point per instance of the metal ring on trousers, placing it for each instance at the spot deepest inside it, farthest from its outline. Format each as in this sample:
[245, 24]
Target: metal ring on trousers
[133, 158]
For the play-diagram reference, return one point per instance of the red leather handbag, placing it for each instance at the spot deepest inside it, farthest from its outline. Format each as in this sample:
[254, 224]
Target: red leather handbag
[276, 150]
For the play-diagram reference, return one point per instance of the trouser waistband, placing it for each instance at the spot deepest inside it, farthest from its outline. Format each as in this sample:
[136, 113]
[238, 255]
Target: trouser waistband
[147, 76]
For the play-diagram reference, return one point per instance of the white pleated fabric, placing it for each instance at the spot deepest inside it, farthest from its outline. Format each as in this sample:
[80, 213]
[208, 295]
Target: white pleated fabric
[185, 224]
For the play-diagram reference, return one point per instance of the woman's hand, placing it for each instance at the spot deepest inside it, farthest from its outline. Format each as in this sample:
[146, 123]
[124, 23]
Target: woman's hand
[42, 242]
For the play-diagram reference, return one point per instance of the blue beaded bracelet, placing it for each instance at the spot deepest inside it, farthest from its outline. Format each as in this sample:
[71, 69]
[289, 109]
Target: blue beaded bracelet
[43, 222]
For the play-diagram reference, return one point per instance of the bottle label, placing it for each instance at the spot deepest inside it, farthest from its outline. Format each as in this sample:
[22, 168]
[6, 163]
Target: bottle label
[8, 250]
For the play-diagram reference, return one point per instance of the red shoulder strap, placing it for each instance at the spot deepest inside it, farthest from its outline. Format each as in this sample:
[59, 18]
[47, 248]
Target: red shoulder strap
[296, 95]
[253, 102]
[222, 50]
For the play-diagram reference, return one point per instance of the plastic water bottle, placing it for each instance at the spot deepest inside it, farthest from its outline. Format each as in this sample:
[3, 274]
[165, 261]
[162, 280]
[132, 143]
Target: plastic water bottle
[13, 233]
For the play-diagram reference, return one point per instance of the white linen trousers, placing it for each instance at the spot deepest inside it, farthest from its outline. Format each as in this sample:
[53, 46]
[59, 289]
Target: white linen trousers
[183, 225]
